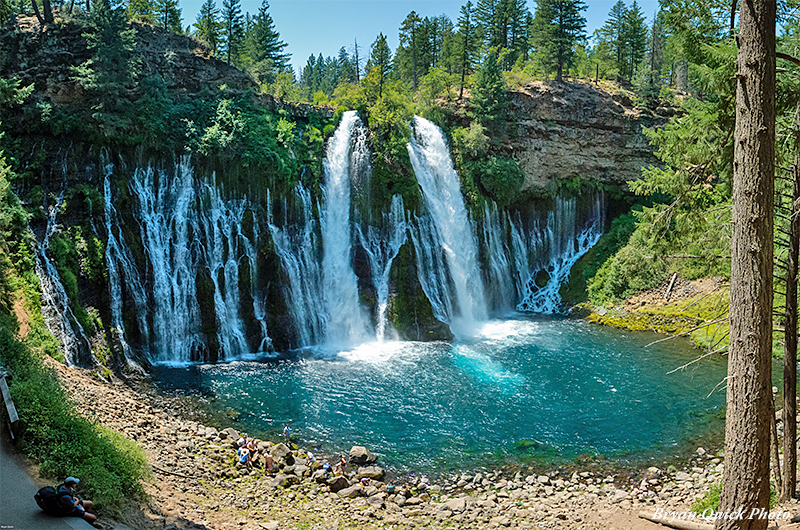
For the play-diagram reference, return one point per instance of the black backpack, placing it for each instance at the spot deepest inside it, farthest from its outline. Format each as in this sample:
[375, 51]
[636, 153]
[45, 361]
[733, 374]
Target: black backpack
[51, 501]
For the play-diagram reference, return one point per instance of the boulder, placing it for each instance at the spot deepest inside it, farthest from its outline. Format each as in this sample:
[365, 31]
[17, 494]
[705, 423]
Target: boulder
[284, 481]
[230, 433]
[456, 505]
[361, 455]
[300, 470]
[280, 451]
[337, 484]
[373, 472]
[543, 479]
[369, 491]
[351, 492]
[319, 476]
[263, 446]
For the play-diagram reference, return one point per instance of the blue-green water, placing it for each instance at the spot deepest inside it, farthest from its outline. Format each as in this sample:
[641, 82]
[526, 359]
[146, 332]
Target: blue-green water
[523, 390]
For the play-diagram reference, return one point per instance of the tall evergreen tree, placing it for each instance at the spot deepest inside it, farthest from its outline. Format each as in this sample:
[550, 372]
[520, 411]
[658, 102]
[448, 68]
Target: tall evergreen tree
[263, 44]
[357, 59]
[745, 482]
[141, 11]
[489, 97]
[635, 39]
[487, 16]
[468, 40]
[232, 30]
[556, 28]
[409, 45]
[612, 33]
[168, 15]
[207, 27]
[347, 71]
[380, 60]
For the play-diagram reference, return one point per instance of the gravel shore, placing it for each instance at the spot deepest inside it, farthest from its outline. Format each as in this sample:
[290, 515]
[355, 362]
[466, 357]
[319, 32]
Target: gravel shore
[197, 484]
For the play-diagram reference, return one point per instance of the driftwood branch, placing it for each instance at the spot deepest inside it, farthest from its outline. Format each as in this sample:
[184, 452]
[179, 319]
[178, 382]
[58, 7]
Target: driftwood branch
[169, 472]
[718, 385]
[691, 362]
[689, 332]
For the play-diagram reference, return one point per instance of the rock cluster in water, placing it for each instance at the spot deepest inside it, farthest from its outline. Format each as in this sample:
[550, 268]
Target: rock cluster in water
[199, 485]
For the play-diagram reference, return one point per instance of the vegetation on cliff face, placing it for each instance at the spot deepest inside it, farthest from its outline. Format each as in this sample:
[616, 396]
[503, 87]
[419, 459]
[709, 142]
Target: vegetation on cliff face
[61, 440]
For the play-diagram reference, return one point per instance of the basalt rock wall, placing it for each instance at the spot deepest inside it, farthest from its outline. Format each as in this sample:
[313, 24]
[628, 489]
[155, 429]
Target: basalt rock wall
[578, 129]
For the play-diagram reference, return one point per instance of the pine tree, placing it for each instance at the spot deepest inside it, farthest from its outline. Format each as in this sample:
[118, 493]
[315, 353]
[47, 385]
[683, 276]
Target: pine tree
[635, 40]
[357, 58]
[307, 78]
[168, 15]
[517, 22]
[468, 40]
[409, 40]
[141, 11]
[263, 46]
[347, 71]
[232, 30]
[612, 33]
[556, 28]
[489, 97]
[487, 15]
[207, 27]
[380, 60]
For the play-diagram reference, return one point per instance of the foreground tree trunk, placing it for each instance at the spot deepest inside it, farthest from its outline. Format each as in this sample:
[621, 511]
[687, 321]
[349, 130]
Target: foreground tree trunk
[790, 334]
[745, 484]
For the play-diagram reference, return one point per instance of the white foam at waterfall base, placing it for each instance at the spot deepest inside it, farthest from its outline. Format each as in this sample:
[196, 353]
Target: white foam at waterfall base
[441, 191]
[347, 322]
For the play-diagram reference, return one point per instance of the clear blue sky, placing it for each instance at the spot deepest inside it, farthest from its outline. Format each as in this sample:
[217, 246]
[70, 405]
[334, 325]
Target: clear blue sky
[324, 26]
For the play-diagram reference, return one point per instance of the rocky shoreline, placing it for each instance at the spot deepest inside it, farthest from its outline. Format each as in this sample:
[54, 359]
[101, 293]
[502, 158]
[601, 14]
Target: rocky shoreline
[197, 484]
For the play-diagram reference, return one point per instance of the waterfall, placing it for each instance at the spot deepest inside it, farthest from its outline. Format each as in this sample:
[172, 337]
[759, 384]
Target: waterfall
[118, 257]
[296, 244]
[192, 243]
[58, 316]
[382, 246]
[567, 241]
[441, 190]
[500, 273]
[347, 323]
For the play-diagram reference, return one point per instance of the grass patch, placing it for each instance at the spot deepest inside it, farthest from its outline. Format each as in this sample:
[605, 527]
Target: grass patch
[62, 441]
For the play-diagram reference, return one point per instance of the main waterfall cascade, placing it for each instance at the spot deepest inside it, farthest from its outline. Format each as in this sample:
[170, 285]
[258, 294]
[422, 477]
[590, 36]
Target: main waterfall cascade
[441, 189]
[190, 288]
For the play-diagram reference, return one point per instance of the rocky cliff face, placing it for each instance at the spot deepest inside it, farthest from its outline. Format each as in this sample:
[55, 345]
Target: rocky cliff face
[562, 131]
[44, 55]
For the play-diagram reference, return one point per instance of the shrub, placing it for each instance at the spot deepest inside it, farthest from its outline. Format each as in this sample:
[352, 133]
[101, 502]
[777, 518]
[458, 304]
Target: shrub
[62, 441]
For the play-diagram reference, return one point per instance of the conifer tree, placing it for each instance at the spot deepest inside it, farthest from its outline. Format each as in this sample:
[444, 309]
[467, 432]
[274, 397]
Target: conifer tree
[612, 33]
[207, 27]
[232, 30]
[489, 97]
[409, 33]
[556, 28]
[168, 15]
[380, 60]
[635, 40]
[141, 11]
[468, 40]
[264, 47]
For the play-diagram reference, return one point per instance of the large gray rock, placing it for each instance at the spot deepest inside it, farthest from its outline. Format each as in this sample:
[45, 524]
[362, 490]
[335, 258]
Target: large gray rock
[230, 433]
[284, 481]
[373, 472]
[280, 451]
[337, 484]
[457, 505]
[361, 455]
[351, 492]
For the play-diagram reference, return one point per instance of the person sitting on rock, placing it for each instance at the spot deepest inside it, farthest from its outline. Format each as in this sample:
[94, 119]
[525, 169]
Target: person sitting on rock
[327, 469]
[390, 488]
[252, 447]
[242, 441]
[244, 456]
[310, 460]
[73, 505]
[364, 482]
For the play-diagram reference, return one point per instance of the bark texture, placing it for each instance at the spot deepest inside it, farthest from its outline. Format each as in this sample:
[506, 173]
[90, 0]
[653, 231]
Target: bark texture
[745, 484]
